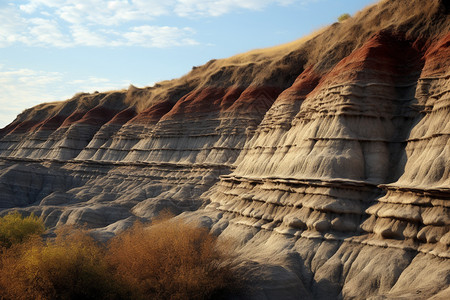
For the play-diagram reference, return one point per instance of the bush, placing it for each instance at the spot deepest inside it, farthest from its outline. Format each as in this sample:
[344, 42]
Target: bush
[167, 260]
[172, 260]
[14, 228]
[343, 17]
[70, 267]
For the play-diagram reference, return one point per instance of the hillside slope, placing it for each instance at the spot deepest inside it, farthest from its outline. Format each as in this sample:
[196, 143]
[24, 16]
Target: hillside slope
[327, 159]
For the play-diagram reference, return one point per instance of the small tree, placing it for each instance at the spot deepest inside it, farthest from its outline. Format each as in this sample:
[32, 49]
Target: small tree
[14, 228]
[172, 260]
[70, 266]
[343, 17]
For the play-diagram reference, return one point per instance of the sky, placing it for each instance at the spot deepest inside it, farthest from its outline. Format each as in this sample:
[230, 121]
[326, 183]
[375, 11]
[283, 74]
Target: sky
[53, 49]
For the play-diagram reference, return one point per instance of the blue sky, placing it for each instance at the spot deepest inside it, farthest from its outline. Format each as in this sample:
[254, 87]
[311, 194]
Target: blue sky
[52, 49]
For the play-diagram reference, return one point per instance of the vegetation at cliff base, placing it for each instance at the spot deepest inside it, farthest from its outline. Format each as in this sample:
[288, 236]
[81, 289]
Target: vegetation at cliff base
[171, 260]
[167, 260]
[72, 266]
[14, 228]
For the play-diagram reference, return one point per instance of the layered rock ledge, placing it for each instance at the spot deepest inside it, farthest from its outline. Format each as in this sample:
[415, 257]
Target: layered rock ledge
[326, 160]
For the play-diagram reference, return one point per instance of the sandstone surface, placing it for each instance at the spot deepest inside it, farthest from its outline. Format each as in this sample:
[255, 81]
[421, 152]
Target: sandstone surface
[326, 160]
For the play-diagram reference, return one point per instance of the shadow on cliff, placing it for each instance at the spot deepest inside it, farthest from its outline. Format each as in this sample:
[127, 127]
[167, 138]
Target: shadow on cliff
[407, 110]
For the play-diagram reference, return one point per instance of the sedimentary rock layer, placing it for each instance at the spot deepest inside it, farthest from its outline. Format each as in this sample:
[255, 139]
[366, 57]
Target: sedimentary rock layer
[326, 160]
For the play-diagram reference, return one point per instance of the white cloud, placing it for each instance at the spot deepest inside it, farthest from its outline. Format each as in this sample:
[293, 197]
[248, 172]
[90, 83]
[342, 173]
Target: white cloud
[102, 12]
[188, 8]
[43, 32]
[31, 32]
[73, 27]
[83, 36]
[160, 37]
[27, 77]
[70, 23]
[113, 12]
[10, 27]
[28, 8]
[24, 88]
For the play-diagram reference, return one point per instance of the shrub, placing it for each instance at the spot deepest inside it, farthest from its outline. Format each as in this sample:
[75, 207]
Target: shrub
[70, 267]
[14, 228]
[172, 260]
[168, 260]
[343, 17]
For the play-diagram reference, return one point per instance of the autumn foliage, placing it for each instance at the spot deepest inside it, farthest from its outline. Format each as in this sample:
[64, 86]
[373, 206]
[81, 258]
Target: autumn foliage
[171, 260]
[69, 267]
[167, 260]
[15, 229]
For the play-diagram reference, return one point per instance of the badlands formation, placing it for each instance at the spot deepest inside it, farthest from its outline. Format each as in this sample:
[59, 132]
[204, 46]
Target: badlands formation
[326, 160]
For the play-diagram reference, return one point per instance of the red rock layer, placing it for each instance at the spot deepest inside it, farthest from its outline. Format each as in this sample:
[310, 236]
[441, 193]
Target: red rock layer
[415, 208]
[325, 158]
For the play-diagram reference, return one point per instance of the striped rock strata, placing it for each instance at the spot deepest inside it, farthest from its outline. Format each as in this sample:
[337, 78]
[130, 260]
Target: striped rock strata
[326, 160]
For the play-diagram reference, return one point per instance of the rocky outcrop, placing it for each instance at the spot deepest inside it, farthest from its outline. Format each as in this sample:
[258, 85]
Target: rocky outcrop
[326, 160]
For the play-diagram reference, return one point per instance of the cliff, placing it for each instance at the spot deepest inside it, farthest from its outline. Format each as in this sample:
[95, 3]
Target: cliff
[326, 160]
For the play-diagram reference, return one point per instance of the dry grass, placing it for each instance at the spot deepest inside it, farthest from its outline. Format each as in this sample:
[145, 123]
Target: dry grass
[168, 260]
[279, 66]
[415, 19]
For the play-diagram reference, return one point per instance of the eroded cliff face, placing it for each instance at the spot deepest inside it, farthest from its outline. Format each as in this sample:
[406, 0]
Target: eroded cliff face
[326, 160]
